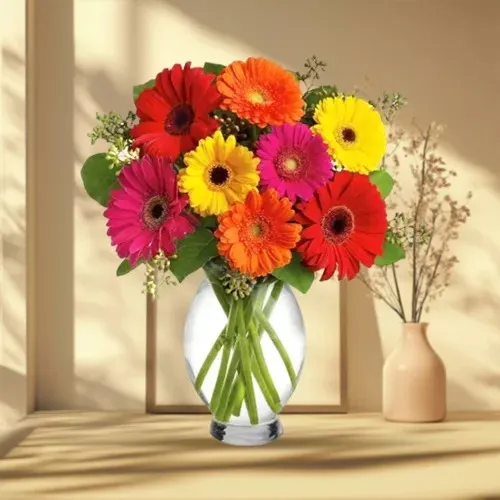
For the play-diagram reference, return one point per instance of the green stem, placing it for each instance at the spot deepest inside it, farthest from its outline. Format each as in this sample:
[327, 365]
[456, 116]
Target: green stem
[207, 364]
[279, 346]
[247, 379]
[275, 295]
[235, 402]
[239, 396]
[265, 389]
[214, 403]
[234, 314]
[219, 342]
[233, 391]
[261, 371]
[223, 413]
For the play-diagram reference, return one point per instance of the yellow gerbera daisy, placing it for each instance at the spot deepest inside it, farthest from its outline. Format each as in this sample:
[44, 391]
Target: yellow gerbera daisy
[354, 132]
[218, 173]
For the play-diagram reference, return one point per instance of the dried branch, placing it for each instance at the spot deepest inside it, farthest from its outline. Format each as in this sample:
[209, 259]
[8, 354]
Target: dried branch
[400, 299]
[415, 225]
[423, 265]
[423, 224]
[429, 283]
[379, 295]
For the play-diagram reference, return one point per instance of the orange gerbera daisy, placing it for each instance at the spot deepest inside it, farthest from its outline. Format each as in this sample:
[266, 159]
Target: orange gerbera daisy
[256, 237]
[261, 92]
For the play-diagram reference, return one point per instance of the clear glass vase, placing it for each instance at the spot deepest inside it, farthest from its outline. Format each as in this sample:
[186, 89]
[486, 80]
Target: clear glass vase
[244, 356]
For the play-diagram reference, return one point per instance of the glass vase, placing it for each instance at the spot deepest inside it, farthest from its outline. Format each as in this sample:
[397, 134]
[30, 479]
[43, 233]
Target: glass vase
[244, 354]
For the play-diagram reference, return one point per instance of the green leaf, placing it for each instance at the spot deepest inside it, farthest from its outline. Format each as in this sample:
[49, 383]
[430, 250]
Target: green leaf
[392, 253]
[383, 180]
[210, 222]
[213, 68]
[193, 251]
[98, 178]
[139, 88]
[125, 267]
[314, 96]
[295, 274]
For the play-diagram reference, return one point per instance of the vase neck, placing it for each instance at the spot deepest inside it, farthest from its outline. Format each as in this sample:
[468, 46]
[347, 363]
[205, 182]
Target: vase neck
[415, 333]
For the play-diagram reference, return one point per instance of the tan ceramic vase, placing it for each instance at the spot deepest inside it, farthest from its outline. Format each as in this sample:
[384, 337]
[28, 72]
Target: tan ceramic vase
[414, 379]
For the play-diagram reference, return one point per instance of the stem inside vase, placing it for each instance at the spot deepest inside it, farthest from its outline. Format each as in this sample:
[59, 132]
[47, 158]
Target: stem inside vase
[243, 367]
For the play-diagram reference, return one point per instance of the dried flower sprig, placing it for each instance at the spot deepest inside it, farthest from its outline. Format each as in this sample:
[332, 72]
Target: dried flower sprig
[313, 67]
[402, 230]
[230, 124]
[158, 274]
[389, 104]
[112, 127]
[424, 225]
[121, 153]
[237, 285]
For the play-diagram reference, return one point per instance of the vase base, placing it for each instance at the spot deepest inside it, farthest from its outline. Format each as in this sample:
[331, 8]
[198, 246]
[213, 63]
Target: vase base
[414, 420]
[246, 435]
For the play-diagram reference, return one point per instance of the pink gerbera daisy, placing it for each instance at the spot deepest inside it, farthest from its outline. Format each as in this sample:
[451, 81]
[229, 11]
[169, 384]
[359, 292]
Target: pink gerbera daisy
[294, 161]
[147, 214]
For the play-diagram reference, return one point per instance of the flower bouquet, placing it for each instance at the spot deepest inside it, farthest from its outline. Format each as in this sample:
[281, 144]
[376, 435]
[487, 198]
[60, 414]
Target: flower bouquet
[261, 179]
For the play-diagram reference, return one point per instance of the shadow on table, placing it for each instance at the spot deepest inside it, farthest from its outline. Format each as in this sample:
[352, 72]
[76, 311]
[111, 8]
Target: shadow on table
[11, 437]
[120, 451]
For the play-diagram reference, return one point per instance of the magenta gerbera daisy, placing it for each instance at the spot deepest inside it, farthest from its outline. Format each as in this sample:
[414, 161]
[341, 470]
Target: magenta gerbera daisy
[294, 161]
[147, 214]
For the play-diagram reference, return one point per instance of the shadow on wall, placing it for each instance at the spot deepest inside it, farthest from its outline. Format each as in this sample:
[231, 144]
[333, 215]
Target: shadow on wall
[100, 90]
[364, 350]
[479, 302]
[12, 394]
[60, 384]
[12, 240]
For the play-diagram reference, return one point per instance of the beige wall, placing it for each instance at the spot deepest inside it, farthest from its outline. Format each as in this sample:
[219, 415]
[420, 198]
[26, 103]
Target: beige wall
[13, 326]
[441, 55]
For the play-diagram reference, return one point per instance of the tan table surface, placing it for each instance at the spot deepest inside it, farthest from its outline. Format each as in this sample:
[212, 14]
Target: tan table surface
[135, 456]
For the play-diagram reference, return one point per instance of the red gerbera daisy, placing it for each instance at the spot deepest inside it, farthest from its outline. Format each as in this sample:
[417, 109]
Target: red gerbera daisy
[174, 113]
[344, 225]
[147, 214]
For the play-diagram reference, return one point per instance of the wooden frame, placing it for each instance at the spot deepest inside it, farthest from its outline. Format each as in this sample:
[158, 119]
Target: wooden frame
[151, 370]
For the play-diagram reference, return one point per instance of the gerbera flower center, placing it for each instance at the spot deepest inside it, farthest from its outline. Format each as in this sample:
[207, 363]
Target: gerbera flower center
[256, 233]
[155, 212]
[179, 119]
[219, 176]
[290, 163]
[346, 136]
[256, 229]
[256, 96]
[338, 224]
